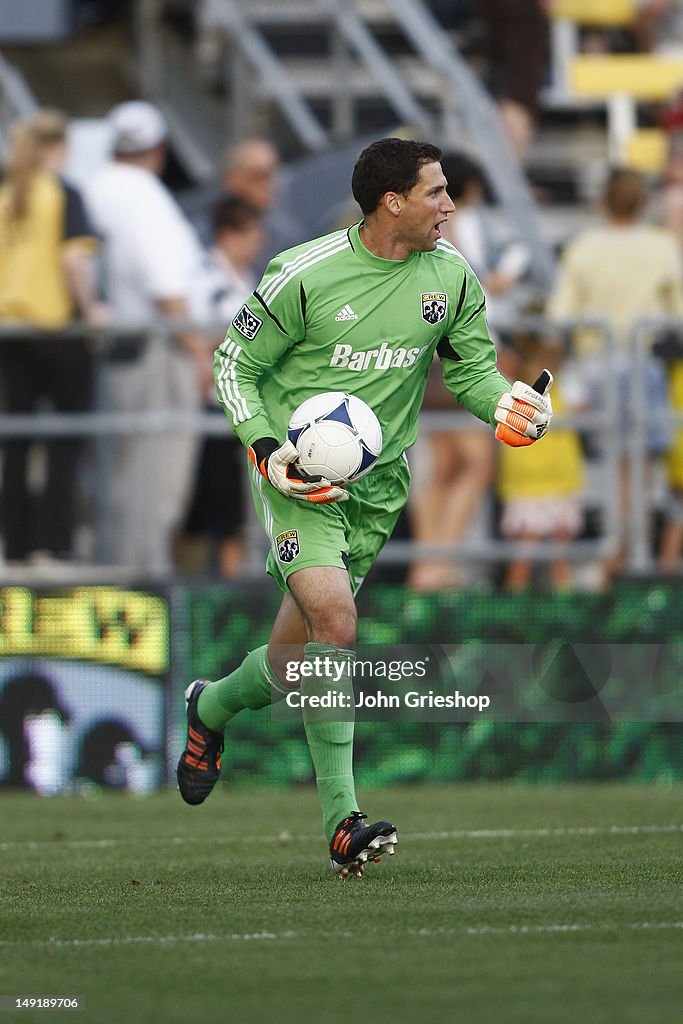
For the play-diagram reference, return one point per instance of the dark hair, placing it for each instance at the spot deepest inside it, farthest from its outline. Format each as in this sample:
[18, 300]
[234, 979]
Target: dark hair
[389, 165]
[624, 194]
[460, 172]
[234, 214]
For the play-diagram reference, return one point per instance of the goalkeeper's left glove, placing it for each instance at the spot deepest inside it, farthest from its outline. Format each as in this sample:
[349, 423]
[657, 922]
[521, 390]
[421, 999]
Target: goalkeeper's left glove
[524, 412]
[278, 463]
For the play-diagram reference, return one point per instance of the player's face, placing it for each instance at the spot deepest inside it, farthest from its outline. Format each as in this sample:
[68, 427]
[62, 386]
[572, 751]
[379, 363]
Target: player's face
[425, 209]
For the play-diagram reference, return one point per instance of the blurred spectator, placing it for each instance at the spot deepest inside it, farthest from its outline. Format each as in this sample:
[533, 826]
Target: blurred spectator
[499, 267]
[456, 477]
[519, 54]
[671, 544]
[672, 184]
[540, 485]
[239, 238]
[250, 171]
[216, 513]
[153, 263]
[46, 276]
[622, 270]
[461, 460]
[672, 217]
[659, 26]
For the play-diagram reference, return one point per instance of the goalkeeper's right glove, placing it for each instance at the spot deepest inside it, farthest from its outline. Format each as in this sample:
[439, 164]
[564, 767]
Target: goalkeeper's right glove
[277, 463]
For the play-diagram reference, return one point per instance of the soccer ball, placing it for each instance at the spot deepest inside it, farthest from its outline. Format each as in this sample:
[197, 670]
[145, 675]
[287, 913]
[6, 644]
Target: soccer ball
[337, 436]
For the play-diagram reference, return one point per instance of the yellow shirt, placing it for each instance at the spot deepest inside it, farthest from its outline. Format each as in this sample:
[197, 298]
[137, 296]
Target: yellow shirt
[33, 287]
[674, 457]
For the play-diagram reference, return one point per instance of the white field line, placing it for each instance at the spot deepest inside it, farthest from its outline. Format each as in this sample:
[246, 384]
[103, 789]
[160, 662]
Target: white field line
[286, 837]
[531, 833]
[264, 936]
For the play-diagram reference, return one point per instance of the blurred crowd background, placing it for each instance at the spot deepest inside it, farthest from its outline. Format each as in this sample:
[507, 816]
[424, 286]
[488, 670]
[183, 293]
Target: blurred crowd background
[155, 155]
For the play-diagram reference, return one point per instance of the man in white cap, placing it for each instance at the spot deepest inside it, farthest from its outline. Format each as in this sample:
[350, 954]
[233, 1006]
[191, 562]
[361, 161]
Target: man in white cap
[152, 262]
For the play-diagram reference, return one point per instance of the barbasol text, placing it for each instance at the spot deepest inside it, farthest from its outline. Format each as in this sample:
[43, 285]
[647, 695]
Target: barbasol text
[377, 358]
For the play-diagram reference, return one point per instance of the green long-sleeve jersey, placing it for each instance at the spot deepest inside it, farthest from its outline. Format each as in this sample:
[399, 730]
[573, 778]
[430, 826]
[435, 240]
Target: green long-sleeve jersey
[329, 315]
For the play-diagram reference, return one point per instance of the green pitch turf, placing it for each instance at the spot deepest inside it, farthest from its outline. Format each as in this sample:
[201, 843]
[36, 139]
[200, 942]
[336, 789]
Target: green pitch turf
[549, 905]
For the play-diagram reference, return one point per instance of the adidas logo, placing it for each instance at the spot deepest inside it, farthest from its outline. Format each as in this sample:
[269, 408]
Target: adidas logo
[346, 313]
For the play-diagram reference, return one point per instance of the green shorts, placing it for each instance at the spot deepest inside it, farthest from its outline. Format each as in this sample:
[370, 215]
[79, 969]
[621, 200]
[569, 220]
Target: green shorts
[349, 535]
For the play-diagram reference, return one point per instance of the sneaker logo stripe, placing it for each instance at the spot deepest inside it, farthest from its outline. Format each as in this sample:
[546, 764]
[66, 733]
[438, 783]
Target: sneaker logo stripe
[339, 839]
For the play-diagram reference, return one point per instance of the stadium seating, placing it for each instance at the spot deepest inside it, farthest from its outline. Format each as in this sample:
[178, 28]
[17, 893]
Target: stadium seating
[595, 12]
[620, 81]
[624, 81]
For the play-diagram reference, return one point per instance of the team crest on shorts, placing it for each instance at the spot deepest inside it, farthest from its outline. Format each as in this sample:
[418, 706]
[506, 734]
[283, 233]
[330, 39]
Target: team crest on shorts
[287, 544]
[247, 323]
[434, 306]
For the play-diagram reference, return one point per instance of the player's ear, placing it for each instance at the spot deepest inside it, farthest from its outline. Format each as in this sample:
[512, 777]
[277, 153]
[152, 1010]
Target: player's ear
[392, 201]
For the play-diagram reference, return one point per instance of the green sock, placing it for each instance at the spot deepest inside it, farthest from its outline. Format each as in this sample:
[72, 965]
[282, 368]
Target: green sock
[252, 685]
[330, 742]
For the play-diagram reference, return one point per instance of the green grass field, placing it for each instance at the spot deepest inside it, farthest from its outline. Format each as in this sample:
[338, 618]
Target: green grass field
[518, 905]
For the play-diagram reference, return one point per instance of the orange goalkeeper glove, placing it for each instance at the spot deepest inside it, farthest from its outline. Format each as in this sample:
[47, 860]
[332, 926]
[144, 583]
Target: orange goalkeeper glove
[278, 464]
[524, 412]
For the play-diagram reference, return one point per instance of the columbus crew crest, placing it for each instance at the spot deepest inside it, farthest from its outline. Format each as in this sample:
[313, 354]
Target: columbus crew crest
[287, 544]
[434, 306]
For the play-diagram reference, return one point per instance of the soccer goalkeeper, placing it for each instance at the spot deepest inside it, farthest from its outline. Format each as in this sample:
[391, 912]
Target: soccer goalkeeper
[361, 310]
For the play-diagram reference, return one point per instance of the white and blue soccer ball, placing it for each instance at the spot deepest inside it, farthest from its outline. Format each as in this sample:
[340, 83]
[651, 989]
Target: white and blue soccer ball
[337, 436]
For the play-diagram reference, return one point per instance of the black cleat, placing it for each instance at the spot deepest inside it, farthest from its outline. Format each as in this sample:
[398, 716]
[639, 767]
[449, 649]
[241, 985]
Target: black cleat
[354, 844]
[200, 762]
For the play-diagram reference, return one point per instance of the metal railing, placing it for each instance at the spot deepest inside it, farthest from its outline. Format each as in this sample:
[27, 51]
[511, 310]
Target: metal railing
[159, 419]
[645, 418]
[597, 422]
